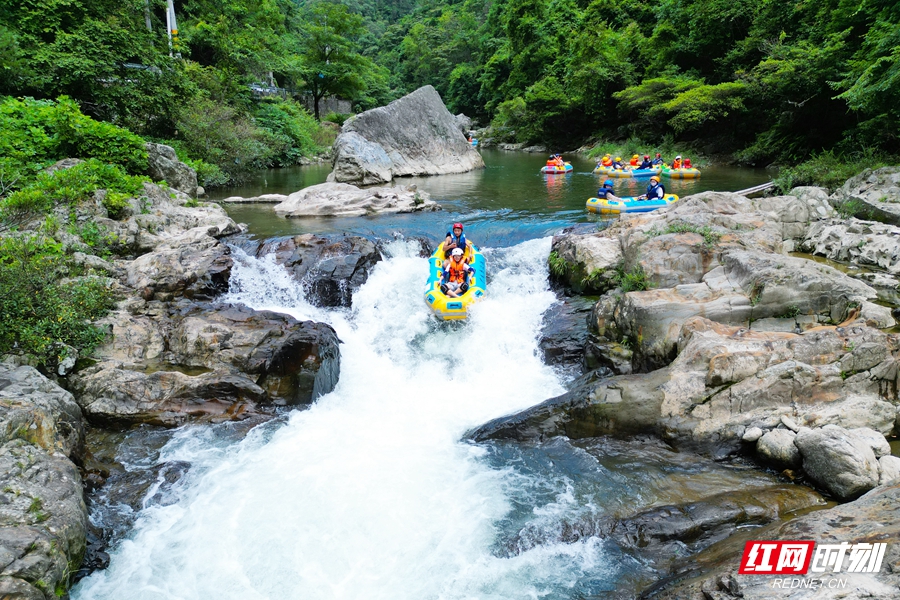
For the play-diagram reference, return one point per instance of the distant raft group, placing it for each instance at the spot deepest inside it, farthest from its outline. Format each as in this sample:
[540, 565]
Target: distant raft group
[616, 168]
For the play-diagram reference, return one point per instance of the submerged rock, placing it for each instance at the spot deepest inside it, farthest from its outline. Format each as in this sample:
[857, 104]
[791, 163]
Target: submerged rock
[415, 135]
[344, 200]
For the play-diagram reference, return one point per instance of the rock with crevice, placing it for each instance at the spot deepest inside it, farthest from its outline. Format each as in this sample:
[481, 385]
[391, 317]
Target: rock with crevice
[414, 135]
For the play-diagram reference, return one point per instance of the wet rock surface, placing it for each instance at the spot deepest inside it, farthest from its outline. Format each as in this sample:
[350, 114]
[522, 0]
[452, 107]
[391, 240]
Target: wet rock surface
[415, 135]
[330, 269]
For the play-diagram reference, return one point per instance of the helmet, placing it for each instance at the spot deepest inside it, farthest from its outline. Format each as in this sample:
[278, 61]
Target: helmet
[457, 225]
[679, 156]
[608, 182]
[618, 158]
[646, 156]
[635, 156]
[655, 178]
[658, 154]
[457, 252]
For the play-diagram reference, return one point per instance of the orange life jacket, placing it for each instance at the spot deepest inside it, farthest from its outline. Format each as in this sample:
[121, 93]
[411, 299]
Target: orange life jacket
[456, 271]
[606, 162]
[634, 162]
[676, 164]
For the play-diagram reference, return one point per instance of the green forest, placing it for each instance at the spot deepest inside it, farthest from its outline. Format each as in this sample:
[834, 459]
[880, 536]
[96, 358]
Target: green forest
[760, 82]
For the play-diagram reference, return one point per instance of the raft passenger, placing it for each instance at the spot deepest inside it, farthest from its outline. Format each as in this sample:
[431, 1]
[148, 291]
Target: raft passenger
[676, 164]
[618, 164]
[635, 161]
[658, 160]
[646, 164]
[455, 239]
[605, 192]
[455, 281]
[655, 191]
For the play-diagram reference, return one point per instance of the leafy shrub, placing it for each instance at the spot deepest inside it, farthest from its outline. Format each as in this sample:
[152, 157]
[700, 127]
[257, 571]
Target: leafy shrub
[35, 133]
[828, 169]
[71, 186]
[634, 280]
[38, 309]
[339, 118]
[289, 122]
[558, 265]
[221, 135]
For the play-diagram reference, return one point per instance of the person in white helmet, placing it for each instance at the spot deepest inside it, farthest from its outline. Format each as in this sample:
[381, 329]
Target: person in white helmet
[455, 281]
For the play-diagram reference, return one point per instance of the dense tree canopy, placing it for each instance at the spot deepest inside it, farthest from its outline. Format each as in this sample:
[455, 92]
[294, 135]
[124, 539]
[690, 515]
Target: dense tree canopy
[766, 80]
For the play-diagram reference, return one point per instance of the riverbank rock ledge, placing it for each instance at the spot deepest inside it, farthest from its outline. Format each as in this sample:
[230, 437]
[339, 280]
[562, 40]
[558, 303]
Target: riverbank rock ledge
[43, 515]
[414, 135]
[345, 200]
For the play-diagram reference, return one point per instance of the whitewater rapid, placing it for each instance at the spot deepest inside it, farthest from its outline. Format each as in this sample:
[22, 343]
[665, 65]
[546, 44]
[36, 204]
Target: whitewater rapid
[371, 493]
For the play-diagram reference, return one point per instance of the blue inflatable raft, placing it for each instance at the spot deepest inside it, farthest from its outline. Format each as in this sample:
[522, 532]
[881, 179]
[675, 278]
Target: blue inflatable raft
[630, 205]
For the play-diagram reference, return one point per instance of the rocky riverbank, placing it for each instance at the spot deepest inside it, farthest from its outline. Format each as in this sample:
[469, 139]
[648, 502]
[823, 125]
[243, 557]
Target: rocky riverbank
[173, 354]
[711, 336]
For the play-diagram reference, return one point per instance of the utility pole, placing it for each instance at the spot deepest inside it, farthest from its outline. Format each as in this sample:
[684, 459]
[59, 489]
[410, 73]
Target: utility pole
[172, 26]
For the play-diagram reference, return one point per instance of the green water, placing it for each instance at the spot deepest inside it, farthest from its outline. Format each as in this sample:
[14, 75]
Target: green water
[507, 202]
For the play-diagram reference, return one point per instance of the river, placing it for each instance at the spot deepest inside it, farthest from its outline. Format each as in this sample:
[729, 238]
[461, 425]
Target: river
[373, 491]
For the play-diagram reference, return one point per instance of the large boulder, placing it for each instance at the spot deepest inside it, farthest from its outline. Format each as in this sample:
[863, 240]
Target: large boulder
[43, 520]
[415, 135]
[872, 195]
[167, 363]
[875, 517]
[344, 200]
[42, 514]
[163, 165]
[194, 265]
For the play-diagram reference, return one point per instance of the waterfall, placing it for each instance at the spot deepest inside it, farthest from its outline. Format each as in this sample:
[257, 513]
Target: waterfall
[370, 493]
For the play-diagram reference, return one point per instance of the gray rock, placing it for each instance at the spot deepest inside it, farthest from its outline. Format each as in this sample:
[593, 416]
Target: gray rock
[888, 469]
[463, 122]
[585, 255]
[838, 461]
[752, 434]
[344, 200]
[163, 165]
[875, 194]
[777, 447]
[263, 199]
[415, 135]
[874, 439]
[35, 409]
[193, 264]
[44, 519]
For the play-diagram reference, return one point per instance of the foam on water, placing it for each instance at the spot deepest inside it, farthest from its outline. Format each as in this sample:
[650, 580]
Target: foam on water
[370, 493]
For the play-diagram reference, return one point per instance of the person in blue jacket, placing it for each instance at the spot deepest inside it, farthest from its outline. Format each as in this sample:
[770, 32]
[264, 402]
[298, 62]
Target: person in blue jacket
[655, 191]
[646, 164]
[658, 160]
[455, 239]
[606, 191]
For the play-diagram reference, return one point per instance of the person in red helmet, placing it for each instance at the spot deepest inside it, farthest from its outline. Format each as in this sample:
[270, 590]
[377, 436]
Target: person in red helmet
[455, 239]
[658, 160]
[646, 164]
